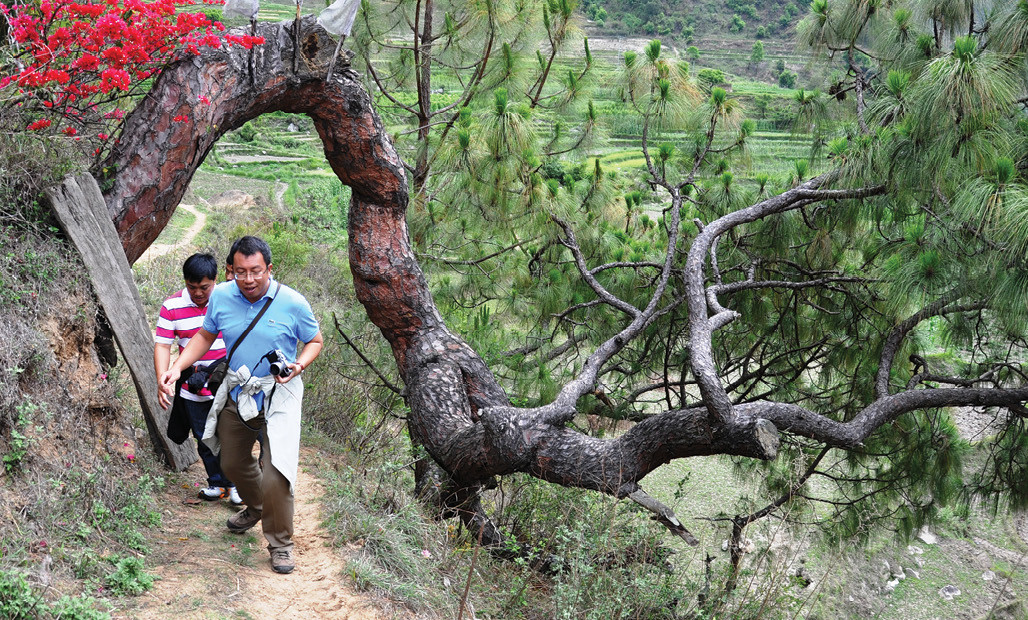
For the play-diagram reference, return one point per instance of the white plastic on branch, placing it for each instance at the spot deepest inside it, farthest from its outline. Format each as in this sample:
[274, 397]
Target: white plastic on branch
[241, 8]
[338, 18]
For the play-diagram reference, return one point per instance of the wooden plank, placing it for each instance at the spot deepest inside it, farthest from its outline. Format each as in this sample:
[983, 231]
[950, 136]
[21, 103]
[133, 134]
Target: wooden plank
[82, 212]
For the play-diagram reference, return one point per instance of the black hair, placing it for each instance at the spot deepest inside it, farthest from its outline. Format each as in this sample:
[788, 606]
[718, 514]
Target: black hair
[248, 246]
[200, 266]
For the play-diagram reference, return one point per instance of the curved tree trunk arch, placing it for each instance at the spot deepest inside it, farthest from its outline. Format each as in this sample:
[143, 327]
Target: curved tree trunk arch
[459, 412]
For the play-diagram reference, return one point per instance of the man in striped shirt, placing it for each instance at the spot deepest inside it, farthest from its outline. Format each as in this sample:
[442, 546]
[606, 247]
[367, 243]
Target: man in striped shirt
[180, 318]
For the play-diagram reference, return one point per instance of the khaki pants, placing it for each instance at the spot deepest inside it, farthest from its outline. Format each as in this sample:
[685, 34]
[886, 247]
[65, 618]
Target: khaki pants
[263, 488]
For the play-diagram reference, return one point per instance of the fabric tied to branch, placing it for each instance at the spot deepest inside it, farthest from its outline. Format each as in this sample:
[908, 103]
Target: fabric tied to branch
[338, 18]
[241, 8]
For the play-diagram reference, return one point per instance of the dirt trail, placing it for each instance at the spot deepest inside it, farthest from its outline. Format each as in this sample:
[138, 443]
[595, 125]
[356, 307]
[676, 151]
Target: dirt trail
[160, 249]
[206, 571]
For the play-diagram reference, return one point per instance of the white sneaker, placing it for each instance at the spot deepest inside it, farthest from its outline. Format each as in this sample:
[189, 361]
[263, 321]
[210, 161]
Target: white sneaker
[212, 493]
[233, 497]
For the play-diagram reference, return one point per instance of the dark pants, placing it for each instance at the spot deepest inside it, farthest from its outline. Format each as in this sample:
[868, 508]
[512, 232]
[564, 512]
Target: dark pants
[197, 420]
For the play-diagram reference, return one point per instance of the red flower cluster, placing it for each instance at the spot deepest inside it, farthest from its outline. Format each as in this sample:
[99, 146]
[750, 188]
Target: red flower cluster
[78, 58]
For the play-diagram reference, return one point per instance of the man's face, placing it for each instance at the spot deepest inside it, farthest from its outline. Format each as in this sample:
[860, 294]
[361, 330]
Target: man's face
[252, 275]
[200, 291]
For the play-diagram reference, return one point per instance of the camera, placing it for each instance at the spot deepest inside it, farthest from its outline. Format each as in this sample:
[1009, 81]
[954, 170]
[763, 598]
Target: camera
[210, 375]
[278, 363]
[197, 380]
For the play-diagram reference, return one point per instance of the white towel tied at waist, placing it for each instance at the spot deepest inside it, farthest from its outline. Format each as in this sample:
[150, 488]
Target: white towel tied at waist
[249, 386]
[282, 413]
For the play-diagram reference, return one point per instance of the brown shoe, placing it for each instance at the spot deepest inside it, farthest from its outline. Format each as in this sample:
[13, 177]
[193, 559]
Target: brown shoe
[282, 560]
[243, 520]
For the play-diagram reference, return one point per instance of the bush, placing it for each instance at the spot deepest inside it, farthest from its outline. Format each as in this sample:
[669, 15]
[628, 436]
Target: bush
[16, 598]
[787, 79]
[129, 577]
[737, 24]
[758, 53]
[711, 77]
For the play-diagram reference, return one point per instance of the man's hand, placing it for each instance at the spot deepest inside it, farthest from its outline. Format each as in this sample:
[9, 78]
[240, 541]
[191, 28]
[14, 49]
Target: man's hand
[162, 398]
[167, 383]
[161, 361]
[295, 368]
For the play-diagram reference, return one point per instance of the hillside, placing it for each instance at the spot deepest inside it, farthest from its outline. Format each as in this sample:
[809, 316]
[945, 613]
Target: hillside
[698, 21]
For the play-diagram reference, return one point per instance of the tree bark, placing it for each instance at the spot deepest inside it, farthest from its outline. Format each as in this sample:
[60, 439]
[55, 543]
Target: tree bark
[459, 412]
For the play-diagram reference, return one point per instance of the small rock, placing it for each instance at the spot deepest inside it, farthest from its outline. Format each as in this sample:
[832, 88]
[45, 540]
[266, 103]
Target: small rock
[927, 537]
[914, 573]
[988, 575]
[914, 550]
[900, 574]
[948, 592]
[292, 128]
[919, 562]
[890, 586]
[724, 545]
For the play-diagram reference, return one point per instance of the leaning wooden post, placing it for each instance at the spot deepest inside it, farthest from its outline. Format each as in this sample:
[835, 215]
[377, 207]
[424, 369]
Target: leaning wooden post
[82, 213]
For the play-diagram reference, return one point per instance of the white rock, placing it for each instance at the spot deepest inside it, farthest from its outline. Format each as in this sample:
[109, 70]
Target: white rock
[914, 550]
[900, 574]
[724, 545]
[988, 575]
[914, 573]
[890, 586]
[927, 537]
[948, 592]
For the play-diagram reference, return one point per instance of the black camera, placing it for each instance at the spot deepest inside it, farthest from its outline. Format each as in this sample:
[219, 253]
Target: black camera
[197, 380]
[278, 363]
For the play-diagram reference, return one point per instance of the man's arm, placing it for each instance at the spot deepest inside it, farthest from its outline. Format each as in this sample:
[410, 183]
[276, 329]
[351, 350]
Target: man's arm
[199, 344]
[161, 360]
[308, 354]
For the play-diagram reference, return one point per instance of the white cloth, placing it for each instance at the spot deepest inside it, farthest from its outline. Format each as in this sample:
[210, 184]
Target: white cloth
[241, 8]
[338, 18]
[283, 416]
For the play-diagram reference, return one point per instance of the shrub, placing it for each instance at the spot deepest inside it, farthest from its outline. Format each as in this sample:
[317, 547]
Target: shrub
[787, 79]
[737, 24]
[711, 77]
[758, 53]
[16, 598]
[129, 577]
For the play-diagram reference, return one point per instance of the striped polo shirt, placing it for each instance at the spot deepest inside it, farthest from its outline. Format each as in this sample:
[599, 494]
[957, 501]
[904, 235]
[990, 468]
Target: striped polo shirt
[179, 320]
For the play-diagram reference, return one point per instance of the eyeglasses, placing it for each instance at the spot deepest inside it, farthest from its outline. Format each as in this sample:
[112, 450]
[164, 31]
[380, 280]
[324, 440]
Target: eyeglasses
[247, 275]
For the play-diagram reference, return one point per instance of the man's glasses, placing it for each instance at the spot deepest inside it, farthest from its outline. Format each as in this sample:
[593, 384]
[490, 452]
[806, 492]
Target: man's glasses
[246, 275]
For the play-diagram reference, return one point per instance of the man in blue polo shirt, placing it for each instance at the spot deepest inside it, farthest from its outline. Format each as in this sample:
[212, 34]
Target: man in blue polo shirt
[255, 403]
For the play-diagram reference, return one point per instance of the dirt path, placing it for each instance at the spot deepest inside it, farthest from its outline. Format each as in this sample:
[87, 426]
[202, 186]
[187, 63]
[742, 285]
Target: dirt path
[206, 571]
[160, 249]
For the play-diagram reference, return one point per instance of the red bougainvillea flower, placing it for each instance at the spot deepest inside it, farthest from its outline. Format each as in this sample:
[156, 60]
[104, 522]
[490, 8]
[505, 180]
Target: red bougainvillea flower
[82, 58]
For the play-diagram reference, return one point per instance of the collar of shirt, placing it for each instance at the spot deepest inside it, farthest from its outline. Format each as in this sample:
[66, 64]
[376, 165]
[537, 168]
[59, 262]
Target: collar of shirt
[267, 293]
[189, 298]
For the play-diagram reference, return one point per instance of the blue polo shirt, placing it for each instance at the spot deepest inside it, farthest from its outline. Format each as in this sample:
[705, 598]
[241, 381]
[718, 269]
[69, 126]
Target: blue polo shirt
[288, 321]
